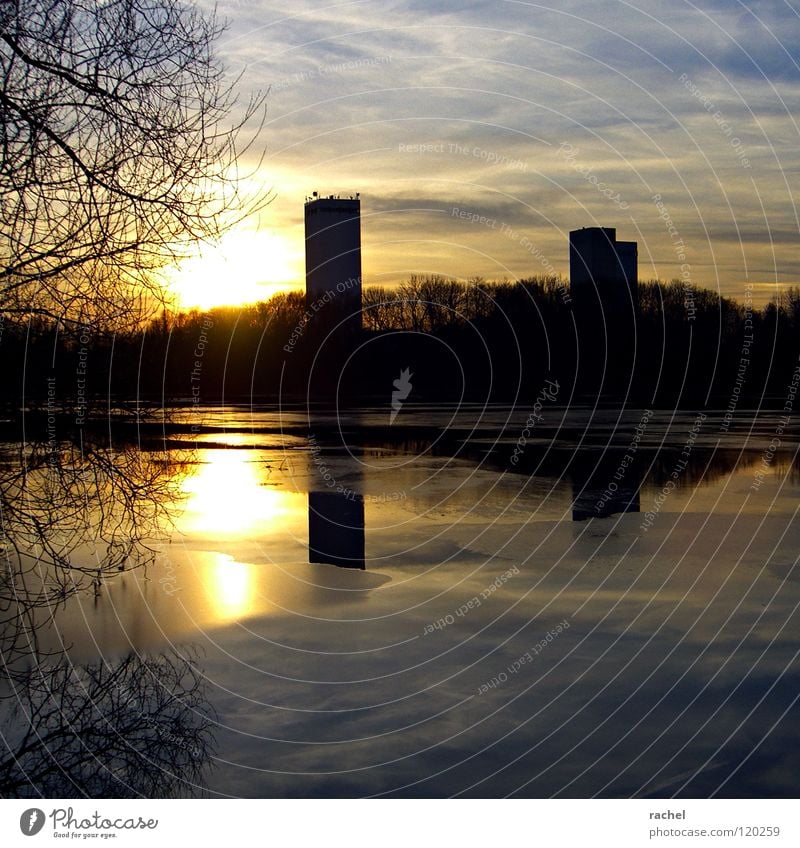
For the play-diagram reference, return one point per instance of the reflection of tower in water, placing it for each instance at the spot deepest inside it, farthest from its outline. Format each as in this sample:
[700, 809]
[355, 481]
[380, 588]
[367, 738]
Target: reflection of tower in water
[336, 529]
[335, 509]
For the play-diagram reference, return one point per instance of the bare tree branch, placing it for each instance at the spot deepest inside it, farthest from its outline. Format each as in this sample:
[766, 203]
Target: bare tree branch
[120, 137]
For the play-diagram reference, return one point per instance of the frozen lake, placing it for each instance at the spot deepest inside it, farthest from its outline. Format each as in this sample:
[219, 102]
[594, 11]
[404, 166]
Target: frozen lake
[594, 605]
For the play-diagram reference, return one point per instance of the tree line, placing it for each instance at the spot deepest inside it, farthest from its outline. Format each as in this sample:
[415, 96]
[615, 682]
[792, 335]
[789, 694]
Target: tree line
[471, 340]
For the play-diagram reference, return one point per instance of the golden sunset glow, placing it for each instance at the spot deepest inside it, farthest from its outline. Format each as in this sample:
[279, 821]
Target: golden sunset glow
[230, 588]
[246, 267]
[227, 497]
[400, 401]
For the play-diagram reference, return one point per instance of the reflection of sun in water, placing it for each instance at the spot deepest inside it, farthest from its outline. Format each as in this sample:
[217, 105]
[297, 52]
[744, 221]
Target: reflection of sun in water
[230, 587]
[227, 497]
[246, 267]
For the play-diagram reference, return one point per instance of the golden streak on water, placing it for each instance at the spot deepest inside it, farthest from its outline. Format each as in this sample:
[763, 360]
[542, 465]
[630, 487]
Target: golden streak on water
[229, 497]
[230, 586]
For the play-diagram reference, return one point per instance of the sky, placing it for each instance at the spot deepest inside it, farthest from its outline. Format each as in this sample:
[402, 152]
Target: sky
[480, 133]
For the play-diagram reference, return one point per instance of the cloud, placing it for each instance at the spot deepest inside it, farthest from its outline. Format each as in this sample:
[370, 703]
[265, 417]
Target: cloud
[695, 102]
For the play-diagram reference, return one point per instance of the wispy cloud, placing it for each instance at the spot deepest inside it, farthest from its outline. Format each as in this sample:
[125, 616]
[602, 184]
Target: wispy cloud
[429, 105]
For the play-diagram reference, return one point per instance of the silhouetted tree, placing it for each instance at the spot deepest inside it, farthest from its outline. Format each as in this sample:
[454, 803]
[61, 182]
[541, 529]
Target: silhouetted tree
[136, 727]
[117, 151]
[688, 343]
[73, 515]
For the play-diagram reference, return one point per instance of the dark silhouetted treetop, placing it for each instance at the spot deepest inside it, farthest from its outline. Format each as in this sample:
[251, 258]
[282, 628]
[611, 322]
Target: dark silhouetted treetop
[120, 138]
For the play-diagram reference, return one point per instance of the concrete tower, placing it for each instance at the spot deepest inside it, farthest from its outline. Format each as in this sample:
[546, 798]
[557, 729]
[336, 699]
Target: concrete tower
[333, 256]
[602, 268]
[605, 294]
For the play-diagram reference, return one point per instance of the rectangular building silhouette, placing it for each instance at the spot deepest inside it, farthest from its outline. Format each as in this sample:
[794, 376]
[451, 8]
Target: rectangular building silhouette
[333, 254]
[602, 269]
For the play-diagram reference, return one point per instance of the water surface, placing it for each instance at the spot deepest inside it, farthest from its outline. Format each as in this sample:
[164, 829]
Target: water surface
[406, 610]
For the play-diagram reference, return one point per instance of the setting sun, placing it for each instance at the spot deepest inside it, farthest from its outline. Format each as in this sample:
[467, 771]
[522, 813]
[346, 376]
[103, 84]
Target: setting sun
[245, 267]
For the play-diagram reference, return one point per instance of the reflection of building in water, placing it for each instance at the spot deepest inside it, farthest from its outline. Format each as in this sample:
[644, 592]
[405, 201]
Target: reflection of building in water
[336, 529]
